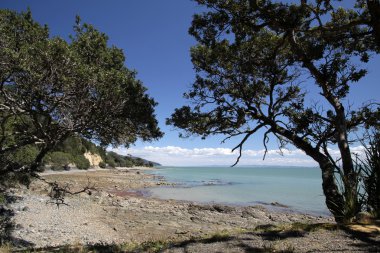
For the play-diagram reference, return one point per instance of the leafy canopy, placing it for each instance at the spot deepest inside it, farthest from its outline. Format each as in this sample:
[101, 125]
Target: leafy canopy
[252, 59]
[51, 88]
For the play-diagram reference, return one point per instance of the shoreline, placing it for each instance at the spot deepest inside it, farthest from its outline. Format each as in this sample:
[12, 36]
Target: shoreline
[273, 206]
[103, 217]
[55, 172]
[270, 206]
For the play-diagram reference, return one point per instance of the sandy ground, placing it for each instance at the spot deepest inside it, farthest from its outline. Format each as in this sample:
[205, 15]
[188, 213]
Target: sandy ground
[119, 211]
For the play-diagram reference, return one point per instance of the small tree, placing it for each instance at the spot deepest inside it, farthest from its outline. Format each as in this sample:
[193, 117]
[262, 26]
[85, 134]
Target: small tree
[51, 89]
[252, 60]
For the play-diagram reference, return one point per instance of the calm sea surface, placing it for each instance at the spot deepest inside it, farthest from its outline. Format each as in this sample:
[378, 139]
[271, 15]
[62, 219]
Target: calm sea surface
[300, 188]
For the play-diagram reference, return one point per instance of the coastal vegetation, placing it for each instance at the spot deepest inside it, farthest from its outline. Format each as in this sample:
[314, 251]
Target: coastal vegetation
[72, 152]
[285, 70]
[52, 89]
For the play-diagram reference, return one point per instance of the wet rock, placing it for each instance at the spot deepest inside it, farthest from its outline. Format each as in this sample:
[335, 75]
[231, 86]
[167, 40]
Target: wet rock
[279, 204]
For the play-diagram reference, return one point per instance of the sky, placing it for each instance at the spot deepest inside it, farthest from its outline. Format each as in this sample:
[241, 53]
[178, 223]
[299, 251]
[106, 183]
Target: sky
[153, 35]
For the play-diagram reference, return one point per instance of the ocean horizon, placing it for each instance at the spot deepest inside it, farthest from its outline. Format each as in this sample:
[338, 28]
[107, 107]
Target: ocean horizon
[297, 187]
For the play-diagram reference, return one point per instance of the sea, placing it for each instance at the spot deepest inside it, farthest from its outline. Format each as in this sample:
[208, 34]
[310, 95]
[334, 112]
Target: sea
[298, 188]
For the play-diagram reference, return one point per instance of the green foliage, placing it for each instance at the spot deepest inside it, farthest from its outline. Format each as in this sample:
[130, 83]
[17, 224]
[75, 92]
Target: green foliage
[72, 149]
[102, 165]
[2, 198]
[115, 160]
[92, 148]
[25, 155]
[81, 162]
[58, 160]
[139, 162]
[111, 162]
[75, 87]
[371, 174]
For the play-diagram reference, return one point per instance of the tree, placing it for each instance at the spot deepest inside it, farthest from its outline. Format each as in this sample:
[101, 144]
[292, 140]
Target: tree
[252, 60]
[51, 89]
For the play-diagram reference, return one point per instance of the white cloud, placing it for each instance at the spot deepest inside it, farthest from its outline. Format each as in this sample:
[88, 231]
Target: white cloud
[178, 156]
[358, 149]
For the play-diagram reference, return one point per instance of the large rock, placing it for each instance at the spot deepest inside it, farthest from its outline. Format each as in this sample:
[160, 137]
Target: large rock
[94, 159]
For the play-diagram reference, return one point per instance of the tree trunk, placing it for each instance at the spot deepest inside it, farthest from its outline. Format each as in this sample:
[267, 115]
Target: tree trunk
[349, 176]
[334, 199]
[38, 160]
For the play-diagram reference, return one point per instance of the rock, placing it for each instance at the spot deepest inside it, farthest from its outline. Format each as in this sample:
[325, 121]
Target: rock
[195, 219]
[216, 207]
[364, 218]
[223, 209]
[279, 204]
[179, 232]
[19, 226]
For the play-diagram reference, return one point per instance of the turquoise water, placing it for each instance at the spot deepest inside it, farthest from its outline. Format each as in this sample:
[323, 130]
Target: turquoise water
[300, 188]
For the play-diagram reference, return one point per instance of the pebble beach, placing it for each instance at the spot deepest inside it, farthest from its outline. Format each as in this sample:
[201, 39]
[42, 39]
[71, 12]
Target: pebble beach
[119, 211]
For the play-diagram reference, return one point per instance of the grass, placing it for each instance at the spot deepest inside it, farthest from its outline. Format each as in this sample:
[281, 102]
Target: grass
[6, 248]
[218, 236]
[297, 226]
[148, 246]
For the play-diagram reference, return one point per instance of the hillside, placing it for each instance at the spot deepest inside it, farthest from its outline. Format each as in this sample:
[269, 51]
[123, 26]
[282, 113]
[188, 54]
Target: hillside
[79, 153]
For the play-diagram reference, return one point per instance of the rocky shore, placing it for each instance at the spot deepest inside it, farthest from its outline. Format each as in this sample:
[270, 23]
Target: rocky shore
[117, 212]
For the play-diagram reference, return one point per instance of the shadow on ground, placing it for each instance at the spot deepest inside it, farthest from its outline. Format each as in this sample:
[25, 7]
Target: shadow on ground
[264, 238]
[6, 224]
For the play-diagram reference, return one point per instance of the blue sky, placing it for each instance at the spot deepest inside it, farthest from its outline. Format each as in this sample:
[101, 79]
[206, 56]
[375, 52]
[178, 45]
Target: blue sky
[153, 35]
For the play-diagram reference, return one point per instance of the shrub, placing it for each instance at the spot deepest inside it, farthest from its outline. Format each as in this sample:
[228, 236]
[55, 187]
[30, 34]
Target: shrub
[25, 155]
[102, 165]
[139, 162]
[81, 162]
[111, 162]
[128, 163]
[58, 159]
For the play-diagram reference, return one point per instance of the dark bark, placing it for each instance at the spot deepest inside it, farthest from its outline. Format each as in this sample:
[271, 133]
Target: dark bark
[334, 199]
[335, 202]
[38, 161]
[374, 11]
[350, 177]
[60, 137]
